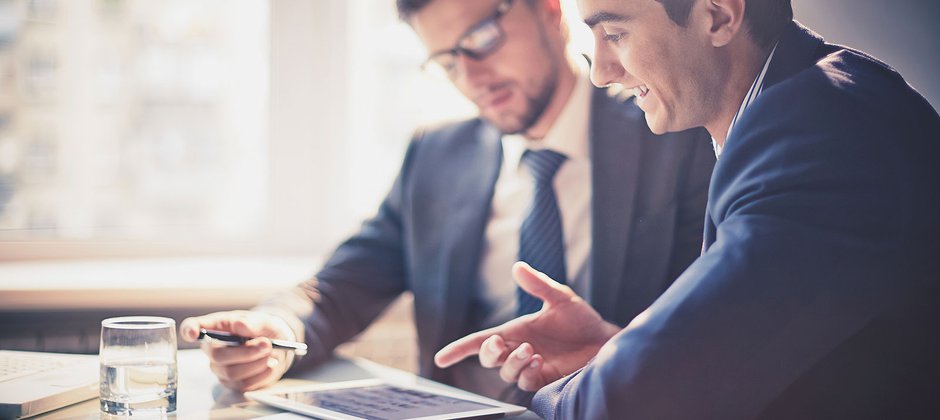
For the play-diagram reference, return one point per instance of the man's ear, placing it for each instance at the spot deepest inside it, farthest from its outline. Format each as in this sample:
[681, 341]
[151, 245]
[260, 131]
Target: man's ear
[723, 20]
[551, 8]
[549, 12]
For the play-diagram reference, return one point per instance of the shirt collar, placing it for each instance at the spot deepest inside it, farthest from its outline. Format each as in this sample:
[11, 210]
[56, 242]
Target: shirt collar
[756, 88]
[569, 134]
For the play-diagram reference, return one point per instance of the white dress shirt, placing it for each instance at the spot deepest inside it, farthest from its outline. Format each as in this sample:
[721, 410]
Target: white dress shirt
[511, 200]
[513, 196]
[756, 88]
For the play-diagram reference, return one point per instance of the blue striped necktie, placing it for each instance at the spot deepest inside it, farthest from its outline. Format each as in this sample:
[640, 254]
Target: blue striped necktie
[541, 239]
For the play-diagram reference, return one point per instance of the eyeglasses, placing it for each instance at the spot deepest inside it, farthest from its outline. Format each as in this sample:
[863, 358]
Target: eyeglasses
[477, 43]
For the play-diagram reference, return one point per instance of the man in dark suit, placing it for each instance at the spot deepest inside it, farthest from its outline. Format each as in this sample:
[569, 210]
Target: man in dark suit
[816, 294]
[623, 210]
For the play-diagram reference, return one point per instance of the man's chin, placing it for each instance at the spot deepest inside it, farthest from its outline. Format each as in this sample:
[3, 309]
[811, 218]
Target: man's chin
[507, 125]
[657, 127]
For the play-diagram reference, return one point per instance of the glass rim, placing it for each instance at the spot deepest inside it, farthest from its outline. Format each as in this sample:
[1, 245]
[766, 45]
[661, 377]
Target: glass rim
[138, 322]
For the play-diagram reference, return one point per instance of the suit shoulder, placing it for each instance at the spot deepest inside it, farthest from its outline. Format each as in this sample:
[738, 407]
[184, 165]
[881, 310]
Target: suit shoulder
[847, 111]
[445, 136]
[448, 129]
[847, 83]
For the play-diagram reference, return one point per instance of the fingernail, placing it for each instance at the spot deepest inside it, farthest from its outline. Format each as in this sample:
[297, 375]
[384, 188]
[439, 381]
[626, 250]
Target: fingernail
[535, 364]
[524, 352]
[272, 362]
[493, 345]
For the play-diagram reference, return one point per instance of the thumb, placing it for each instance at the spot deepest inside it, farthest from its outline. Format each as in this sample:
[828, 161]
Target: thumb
[540, 285]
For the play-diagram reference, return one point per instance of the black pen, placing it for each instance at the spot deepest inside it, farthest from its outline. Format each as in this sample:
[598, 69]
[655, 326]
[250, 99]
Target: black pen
[230, 339]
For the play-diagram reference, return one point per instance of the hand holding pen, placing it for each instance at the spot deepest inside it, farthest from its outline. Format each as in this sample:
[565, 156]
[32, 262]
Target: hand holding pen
[247, 350]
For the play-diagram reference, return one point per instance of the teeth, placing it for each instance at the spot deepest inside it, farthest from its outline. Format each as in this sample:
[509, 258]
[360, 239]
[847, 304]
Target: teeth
[640, 90]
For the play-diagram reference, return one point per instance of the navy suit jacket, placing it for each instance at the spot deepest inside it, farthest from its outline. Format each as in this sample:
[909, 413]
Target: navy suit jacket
[649, 193]
[817, 293]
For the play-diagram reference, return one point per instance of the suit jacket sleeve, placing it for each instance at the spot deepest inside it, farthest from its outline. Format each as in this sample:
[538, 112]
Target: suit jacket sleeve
[359, 280]
[822, 224]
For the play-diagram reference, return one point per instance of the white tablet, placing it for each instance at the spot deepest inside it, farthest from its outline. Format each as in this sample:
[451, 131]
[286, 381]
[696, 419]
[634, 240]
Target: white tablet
[381, 400]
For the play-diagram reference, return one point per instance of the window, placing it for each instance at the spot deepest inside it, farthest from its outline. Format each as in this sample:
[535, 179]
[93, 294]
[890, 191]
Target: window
[133, 127]
[132, 119]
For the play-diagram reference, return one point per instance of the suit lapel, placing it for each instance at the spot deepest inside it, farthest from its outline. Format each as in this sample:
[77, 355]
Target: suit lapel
[797, 49]
[470, 202]
[615, 164]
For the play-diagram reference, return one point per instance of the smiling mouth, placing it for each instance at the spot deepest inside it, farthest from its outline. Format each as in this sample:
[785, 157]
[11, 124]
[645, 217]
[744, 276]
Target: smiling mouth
[640, 91]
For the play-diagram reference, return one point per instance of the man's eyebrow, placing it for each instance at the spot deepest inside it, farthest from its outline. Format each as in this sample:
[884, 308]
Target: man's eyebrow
[601, 17]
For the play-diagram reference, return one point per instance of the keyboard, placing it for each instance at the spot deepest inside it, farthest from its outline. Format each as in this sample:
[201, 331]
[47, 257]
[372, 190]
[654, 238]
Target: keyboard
[32, 382]
[15, 365]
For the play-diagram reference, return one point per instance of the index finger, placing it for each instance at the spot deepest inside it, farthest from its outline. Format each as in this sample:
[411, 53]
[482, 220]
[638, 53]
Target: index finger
[189, 329]
[462, 348]
[222, 321]
[244, 323]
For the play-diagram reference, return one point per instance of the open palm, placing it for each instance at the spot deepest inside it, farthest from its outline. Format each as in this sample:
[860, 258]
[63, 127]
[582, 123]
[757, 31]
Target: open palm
[566, 333]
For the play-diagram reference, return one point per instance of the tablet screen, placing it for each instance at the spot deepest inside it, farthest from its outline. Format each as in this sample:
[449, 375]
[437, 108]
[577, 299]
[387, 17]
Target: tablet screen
[383, 402]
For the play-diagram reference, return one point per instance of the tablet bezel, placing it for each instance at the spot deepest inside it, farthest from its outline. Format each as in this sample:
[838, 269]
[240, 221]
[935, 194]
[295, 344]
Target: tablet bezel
[267, 396]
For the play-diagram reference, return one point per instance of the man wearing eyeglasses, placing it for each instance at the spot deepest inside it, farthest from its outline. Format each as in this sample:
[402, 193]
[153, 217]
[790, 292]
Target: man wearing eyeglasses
[554, 172]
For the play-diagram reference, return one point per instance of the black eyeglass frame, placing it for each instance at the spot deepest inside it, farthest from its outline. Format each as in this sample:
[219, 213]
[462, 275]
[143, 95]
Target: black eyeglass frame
[492, 21]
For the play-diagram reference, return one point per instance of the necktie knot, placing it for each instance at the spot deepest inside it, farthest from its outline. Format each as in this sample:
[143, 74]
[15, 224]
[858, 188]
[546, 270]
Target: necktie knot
[543, 164]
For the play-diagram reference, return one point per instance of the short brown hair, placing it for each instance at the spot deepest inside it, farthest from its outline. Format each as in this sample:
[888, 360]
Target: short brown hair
[765, 19]
[407, 8]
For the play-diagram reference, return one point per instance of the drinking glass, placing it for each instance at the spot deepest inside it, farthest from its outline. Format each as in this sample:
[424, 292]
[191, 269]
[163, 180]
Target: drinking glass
[138, 365]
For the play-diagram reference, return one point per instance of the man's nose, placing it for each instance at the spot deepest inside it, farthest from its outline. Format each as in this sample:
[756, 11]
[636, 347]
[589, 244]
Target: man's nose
[606, 69]
[472, 72]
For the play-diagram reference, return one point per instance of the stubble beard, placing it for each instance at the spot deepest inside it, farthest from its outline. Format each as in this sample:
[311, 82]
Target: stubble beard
[535, 105]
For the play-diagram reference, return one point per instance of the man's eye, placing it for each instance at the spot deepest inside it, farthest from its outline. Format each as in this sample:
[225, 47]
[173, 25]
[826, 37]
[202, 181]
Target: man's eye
[614, 38]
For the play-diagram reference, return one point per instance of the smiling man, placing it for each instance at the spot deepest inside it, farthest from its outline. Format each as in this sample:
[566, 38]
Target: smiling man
[816, 292]
[553, 171]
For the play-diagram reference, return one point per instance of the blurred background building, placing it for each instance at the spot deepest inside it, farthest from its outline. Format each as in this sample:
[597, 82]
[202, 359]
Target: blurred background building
[132, 119]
